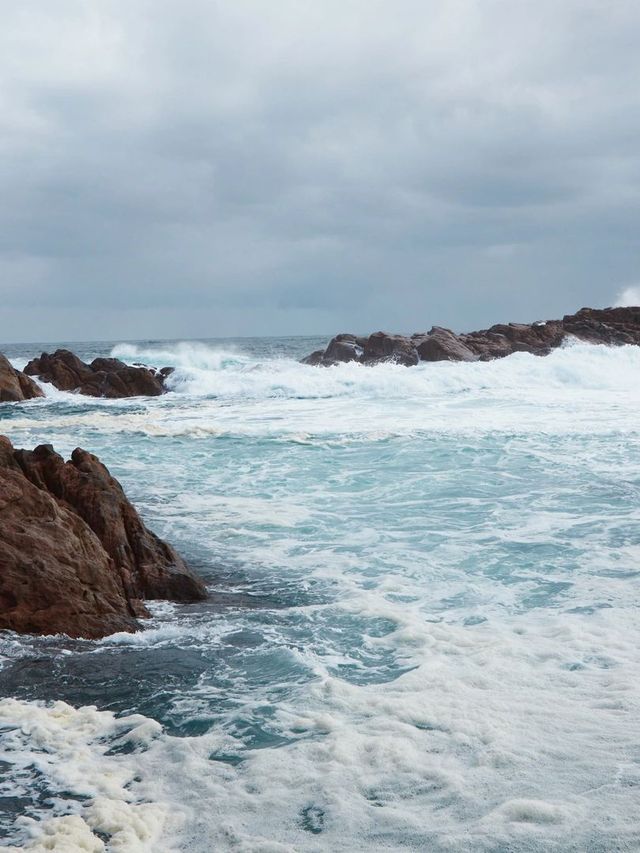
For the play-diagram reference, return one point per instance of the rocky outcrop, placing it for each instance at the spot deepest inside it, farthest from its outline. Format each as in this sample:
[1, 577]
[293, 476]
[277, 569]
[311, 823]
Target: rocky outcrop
[376, 348]
[75, 557]
[501, 340]
[613, 326]
[15, 385]
[104, 377]
[394, 348]
[442, 345]
[609, 326]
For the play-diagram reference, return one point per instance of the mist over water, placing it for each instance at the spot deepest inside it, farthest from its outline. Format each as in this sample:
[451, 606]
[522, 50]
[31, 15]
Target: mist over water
[422, 632]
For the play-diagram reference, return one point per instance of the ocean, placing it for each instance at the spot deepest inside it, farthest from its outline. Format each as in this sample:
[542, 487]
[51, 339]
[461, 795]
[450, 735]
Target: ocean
[423, 628]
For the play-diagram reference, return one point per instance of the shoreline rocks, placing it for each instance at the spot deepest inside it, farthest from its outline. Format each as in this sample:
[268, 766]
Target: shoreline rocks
[75, 556]
[612, 326]
[104, 377]
[15, 385]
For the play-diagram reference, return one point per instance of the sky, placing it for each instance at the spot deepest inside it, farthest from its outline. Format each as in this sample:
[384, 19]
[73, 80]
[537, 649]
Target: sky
[210, 168]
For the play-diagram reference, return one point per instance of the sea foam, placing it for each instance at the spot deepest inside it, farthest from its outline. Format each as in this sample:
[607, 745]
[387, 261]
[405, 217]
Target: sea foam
[423, 626]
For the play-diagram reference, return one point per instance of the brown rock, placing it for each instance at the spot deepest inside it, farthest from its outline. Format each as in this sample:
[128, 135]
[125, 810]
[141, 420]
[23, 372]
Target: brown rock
[342, 348]
[604, 325]
[315, 358]
[443, 345]
[55, 576]
[15, 385]
[75, 557]
[613, 326]
[501, 340]
[104, 377]
[381, 346]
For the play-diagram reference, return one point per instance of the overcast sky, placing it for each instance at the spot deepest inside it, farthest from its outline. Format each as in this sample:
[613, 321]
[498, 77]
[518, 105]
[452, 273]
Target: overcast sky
[199, 168]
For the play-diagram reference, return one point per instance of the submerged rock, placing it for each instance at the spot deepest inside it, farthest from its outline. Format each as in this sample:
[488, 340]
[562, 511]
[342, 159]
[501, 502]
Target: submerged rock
[613, 326]
[104, 377]
[16, 385]
[75, 557]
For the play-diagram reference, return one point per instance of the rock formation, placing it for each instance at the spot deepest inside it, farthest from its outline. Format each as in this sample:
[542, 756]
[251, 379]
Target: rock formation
[613, 326]
[104, 377]
[15, 385]
[75, 557]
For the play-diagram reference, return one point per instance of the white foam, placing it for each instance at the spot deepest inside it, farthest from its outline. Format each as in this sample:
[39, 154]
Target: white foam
[518, 732]
[578, 388]
[69, 749]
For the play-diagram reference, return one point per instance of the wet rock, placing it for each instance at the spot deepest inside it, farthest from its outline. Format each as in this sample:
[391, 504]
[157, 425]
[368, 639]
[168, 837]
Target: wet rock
[613, 326]
[343, 348]
[315, 358]
[383, 347]
[502, 340]
[16, 385]
[75, 557]
[443, 345]
[607, 325]
[104, 377]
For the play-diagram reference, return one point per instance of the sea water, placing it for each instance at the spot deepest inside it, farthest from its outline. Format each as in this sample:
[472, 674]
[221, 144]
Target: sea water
[423, 627]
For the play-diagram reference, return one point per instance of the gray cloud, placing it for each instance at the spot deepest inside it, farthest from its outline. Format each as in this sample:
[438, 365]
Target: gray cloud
[212, 168]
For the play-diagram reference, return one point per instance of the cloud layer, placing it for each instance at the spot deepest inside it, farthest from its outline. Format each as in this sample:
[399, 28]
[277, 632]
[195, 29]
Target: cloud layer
[219, 168]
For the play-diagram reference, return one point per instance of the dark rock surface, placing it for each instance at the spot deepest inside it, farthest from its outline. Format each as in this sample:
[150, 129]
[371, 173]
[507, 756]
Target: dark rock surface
[381, 346]
[75, 557]
[104, 377]
[613, 326]
[609, 326]
[442, 345]
[15, 385]
[376, 348]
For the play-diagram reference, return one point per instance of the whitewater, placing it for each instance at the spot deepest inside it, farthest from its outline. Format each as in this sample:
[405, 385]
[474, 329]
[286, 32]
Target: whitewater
[423, 629]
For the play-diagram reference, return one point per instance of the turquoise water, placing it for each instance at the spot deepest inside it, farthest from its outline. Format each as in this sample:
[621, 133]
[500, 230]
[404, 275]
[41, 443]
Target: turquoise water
[422, 631]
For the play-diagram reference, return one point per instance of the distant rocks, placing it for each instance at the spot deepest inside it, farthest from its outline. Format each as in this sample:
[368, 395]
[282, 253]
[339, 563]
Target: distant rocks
[75, 557]
[383, 347]
[442, 345]
[378, 347]
[15, 385]
[104, 377]
[600, 326]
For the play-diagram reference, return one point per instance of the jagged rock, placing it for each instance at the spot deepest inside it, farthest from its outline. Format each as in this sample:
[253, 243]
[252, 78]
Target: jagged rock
[381, 346]
[15, 385]
[75, 557]
[501, 340]
[104, 377]
[612, 326]
[609, 325]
